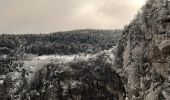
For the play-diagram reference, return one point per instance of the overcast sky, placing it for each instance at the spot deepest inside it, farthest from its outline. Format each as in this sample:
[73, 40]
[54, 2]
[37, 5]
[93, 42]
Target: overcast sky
[35, 16]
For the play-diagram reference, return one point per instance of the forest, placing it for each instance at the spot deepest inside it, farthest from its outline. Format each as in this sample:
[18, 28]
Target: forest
[70, 42]
[25, 76]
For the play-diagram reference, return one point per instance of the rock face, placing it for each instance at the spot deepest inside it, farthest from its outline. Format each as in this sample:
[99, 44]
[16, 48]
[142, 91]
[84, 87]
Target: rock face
[143, 53]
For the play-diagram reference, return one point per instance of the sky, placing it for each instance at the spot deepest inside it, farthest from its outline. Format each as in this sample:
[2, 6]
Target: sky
[44, 16]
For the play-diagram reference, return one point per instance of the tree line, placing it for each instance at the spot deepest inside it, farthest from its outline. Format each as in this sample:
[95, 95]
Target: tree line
[69, 42]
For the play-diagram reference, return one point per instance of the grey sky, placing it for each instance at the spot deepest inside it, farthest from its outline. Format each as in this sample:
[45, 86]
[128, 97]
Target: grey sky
[24, 16]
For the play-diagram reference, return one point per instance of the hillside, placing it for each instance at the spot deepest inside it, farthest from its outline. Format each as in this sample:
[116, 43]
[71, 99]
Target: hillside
[70, 42]
[59, 66]
[63, 77]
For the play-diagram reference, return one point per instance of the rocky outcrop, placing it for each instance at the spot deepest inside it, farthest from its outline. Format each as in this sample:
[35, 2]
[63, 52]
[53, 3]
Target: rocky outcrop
[143, 53]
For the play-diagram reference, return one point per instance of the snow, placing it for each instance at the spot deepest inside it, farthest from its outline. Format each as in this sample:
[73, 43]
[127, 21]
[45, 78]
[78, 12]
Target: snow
[1, 82]
[69, 58]
[66, 58]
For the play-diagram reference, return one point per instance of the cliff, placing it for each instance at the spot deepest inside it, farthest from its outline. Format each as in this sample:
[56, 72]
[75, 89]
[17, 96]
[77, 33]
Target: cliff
[143, 53]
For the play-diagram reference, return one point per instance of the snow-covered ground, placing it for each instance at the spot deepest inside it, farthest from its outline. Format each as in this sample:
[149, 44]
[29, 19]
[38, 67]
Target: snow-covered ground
[63, 58]
[69, 58]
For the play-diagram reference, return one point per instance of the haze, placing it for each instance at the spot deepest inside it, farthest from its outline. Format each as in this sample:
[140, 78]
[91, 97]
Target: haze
[44, 16]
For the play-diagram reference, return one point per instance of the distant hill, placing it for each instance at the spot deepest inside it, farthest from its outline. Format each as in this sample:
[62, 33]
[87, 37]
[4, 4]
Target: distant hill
[69, 42]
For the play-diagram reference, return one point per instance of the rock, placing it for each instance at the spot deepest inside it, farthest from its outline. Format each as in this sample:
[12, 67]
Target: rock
[1, 82]
[162, 31]
[155, 53]
[146, 61]
[165, 47]
[168, 59]
[166, 94]
[166, 19]
[148, 34]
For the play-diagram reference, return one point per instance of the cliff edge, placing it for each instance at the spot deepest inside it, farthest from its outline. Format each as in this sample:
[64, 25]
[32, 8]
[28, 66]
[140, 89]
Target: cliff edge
[143, 53]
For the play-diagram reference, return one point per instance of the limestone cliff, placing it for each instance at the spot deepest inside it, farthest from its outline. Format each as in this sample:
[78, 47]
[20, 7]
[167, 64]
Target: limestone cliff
[143, 53]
